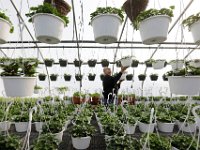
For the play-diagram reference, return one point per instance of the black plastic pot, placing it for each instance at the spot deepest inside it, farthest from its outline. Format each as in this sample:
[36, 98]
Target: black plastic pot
[91, 77]
[63, 62]
[141, 77]
[165, 78]
[78, 77]
[134, 63]
[153, 77]
[129, 77]
[67, 77]
[41, 77]
[92, 63]
[118, 63]
[105, 63]
[148, 64]
[77, 63]
[48, 63]
[53, 78]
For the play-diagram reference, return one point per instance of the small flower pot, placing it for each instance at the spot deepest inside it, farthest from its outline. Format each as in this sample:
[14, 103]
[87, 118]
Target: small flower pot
[5, 125]
[5, 30]
[129, 77]
[59, 136]
[42, 77]
[165, 127]
[148, 64]
[91, 77]
[154, 77]
[53, 78]
[177, 64]
[78, 77]
[38, 126]
[36, 91]
[146, 127]
[134, 63]
[95, 100]
[67, 77]
[77, 100]
[105, 63]
[126, 62]
[141, 77]
[187, 127]
[165, 78]
[81, 142]
[92, 63]
[63, 62]
[21, 126]
[158, 64]
[48, 63]
[77, 63]
[129, 128]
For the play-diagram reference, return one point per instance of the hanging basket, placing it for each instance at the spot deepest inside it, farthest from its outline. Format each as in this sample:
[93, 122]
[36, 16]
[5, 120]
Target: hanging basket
[106, 28]
[19, 86]
[4, 31]
[195, 29]
[78, 63]
[67, 77]
[42, 77]
[126, 62]
[78, 77]
[134, 63]
[81, 142]
[129, 77]
[165, 127]
[188, 85]
[141, 77]
[53, 77]
[153, 30]
[91, 77]
[48, 28]
[153, 77]
[176, 64]
[63, 62]
[105, 63]
[158, 64]
[92, 62]
[134, 7]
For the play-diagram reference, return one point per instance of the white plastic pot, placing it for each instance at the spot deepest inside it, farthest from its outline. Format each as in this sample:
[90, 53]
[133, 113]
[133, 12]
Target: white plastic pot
[187, 127]
[81, 142]
[21, 126]
[195, 64]
[188, 85]
[195, 29]
[5, 30]
[165, 127]
[108, 137]
[106, 28]
[158, 64]
[146, 127]
[48, 28]
[36, 91]
[176, 64]
[126, 62]
[129, 129]
[5, 125]
[19, 86]
[153, 30]
[59, 136]
[38, 126]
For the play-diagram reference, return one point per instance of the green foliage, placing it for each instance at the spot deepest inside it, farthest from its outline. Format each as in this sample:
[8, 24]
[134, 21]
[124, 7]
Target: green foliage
[191, 20]
[46, 8]
[152, 12]
[3, 16]
[107, 10]
[62, 89]
[9, 142]
[79, 94]
[45, 142]
[36, 87]
[97, 95]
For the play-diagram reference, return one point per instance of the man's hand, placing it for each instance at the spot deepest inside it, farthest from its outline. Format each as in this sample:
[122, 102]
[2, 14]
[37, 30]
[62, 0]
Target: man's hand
[123, 69]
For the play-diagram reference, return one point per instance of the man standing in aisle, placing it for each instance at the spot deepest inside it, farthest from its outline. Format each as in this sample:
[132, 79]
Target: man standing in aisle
[111, 84]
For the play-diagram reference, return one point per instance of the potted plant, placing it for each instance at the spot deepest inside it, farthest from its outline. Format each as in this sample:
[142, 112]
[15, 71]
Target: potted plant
[176, 64]
[165, 77]
[193, 24]
[91, 76]
[92, 62]
[47, 14]
[62, 89]
[106, 22]
[95, 98]
[81, 135]
[102, 76]
[62, 6]
[134, 7]
[67, 77]
[141, 77]
[195, 63]
[149, 20]
[6, 28]
[129, 77]
[187, 124]
[42, 76]
[48, 62]
[63, 62]
[126, 61]
[154, 77]
[45, 140]
[37, 89]
[182, 141]
[4, 119]
[78, 97]
[159, 63]
[130, 124]
[19, 76]
[78, 77]
[135, 63]
[21, 122]
[10, 142]
[53, 76]
[148, 62]
[105, 63]
[118, 63]
[77, 63]
[39, 120]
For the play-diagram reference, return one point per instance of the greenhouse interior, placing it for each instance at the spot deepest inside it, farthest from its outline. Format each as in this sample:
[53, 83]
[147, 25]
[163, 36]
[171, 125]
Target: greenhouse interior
[99, 75]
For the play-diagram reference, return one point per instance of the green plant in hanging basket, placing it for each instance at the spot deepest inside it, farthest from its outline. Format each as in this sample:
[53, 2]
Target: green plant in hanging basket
[91, 77]
[107, 10]
[154, 77]
[78, 77]
[67, 77]
[141, 77]
[188, 22]
[53, 77]
[92, 62]
[105, 63]
[3, 16]
[63, 62]
[42, 76]
[46, 8]
[152, 12]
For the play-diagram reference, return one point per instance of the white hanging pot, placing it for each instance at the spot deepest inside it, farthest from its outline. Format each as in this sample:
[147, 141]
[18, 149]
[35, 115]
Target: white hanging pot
[18, 86]
[188, 85]
[106, 28]
[158, 64]
[5, 30]
[195, 63]
[38, 126]
[165, 127]
[146, 127]
[195, 29]
[129, 128]
[21, 126]
[126, 62]
[59, 136]
[4, 126]
[36, 91]
[178, 64]
[187, 127]
[81, 142]
[153, 30]
[48, 28]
